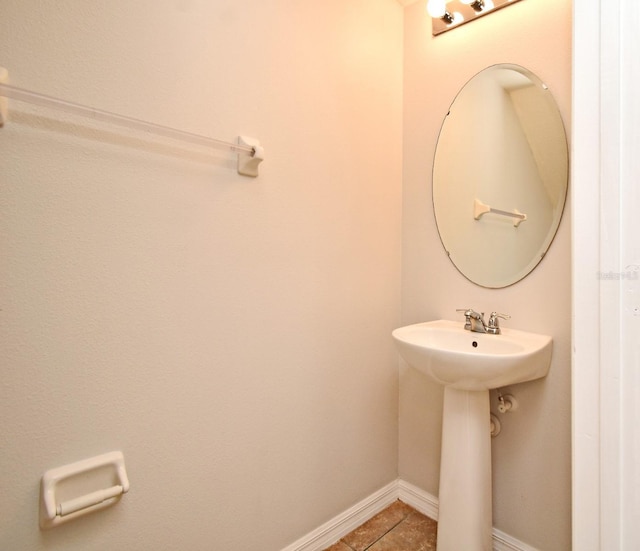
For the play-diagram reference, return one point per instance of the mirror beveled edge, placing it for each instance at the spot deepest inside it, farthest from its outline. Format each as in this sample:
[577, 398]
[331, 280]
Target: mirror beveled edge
[500, 253]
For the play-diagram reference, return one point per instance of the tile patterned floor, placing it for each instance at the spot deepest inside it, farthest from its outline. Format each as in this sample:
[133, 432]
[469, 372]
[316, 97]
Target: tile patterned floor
[397, 528]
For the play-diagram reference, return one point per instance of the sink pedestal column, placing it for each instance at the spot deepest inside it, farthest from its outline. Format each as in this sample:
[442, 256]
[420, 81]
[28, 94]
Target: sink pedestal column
[464, 514]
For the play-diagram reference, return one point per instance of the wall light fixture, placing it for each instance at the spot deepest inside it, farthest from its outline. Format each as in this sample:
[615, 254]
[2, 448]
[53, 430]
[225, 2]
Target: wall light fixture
[438, 10]
[449, 14]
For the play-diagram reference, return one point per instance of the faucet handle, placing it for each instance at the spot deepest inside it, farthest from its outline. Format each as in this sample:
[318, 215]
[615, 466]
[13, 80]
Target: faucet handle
[467, 314]
[493, 326]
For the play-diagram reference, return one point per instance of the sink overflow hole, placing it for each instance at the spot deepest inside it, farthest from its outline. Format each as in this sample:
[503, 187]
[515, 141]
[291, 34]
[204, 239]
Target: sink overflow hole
[474, 344]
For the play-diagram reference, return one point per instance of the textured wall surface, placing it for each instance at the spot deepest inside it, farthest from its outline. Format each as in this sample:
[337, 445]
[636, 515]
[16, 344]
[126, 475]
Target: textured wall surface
[231, 336]
[532, 455]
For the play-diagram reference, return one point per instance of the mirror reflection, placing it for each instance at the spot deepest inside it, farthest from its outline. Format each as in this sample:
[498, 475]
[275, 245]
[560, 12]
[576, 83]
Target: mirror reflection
[500, 176]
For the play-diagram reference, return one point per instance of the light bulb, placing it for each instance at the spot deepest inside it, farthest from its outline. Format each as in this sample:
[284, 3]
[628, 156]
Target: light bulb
[437, 8]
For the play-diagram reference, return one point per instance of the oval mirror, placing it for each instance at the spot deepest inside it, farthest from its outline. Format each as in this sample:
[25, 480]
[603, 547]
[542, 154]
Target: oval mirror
[500, 175]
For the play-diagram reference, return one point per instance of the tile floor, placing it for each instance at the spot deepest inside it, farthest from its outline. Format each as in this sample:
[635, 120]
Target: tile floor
[397, 528]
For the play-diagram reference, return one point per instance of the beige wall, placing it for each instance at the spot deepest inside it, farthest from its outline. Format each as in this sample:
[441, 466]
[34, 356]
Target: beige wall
[531, 457]
[229, 335]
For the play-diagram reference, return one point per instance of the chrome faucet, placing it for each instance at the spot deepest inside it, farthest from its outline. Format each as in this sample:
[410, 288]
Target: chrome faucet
[475, 321]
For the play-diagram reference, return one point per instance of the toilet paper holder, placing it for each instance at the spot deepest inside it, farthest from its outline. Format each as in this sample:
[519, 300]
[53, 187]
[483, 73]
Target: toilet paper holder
[65, 491]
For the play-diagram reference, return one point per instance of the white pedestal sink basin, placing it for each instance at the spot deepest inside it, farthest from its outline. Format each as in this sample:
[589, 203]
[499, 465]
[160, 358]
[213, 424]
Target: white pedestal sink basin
[469, 364]
[466, 360]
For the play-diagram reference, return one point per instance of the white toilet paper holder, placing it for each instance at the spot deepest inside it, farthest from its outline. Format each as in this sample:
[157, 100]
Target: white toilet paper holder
[59, 484]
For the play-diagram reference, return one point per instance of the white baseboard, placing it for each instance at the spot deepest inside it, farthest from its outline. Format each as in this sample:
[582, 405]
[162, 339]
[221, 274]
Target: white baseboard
[339, 526]
[418, 499]
[505, 542]
[428, 505]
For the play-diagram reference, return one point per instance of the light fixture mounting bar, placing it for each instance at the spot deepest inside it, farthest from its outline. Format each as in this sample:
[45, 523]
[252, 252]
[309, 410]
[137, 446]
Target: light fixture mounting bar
[464, 13]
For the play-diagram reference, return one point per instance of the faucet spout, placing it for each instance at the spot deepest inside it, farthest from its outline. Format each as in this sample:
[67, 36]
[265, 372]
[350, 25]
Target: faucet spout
[473, 320]
[477, 322]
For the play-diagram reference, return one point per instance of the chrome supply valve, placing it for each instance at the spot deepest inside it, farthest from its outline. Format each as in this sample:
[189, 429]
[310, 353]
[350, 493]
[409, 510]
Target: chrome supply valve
[506, 403]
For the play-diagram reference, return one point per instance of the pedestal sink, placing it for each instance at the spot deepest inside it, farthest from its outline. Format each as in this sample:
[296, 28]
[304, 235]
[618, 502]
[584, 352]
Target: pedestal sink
[469, 364]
